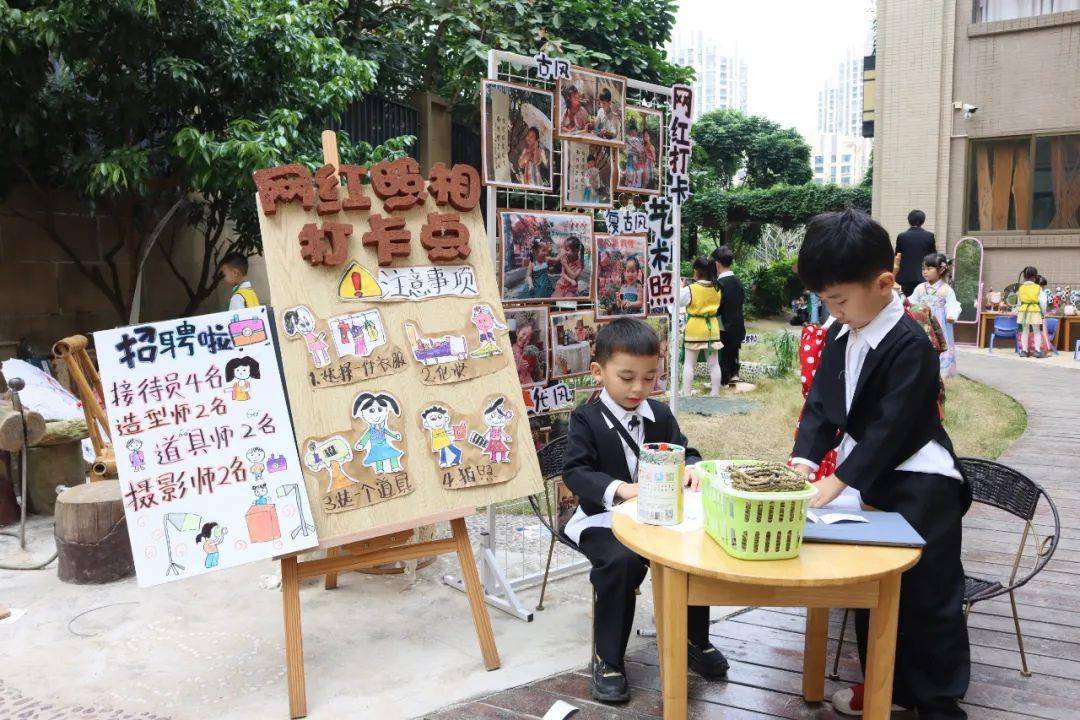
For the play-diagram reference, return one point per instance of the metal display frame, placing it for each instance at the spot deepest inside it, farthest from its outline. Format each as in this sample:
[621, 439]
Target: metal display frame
[499, 592]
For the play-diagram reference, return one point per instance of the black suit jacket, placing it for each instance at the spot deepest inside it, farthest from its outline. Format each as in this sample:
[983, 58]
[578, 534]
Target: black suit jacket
[893, 412]
[594, 453]
[914, 244]
[732, 297]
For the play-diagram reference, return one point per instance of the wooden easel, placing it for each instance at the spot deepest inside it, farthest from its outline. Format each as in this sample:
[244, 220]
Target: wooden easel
[368, 549]
[364, 553]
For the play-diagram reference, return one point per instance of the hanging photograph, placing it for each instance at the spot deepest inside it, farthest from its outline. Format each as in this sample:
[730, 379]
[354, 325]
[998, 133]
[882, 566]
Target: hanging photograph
[587, 174]
[546, 255]
[640, 168]
[529, 342]
[516, 127]
[592, 106]
[620, 276]
[662, 325]
[572, 338]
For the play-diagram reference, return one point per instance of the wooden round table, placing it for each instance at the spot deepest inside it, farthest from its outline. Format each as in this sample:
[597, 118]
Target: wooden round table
[690, 568]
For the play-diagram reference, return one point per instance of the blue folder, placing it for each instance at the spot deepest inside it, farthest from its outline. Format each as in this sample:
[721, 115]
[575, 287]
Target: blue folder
[884, 528]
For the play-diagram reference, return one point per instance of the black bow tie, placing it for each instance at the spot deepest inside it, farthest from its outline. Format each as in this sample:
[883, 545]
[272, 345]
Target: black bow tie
[634, 422]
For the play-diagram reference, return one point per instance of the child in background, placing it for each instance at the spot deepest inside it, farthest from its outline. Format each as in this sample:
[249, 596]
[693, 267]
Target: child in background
[591, 193]
[1029, 314]
[605, 437]
[234, 270]
[936, 294]
[732, 296]
[877, 389]
[1044, 303]
[701, 299]
[537, 281]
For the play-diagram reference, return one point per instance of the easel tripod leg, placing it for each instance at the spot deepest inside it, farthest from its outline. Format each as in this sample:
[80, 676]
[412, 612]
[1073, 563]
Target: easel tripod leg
[331, 577]
[475, 591]
[294, 642]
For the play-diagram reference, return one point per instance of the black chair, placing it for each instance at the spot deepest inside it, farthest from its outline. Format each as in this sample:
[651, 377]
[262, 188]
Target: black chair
[552, 457]
[1001, 487]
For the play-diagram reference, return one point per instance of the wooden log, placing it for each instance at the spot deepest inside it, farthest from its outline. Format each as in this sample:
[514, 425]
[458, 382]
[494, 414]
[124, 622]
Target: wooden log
[91, 535]
[11, 427]
[58, 432]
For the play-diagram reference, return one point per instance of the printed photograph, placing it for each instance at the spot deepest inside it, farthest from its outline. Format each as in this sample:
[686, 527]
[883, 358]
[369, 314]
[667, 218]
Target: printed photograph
[546, 256]
[529, 341]
[662, 325]
[572, 338]
[620, 276]
[640, 165]
[587, 174]
[516, 127]
[592, 107]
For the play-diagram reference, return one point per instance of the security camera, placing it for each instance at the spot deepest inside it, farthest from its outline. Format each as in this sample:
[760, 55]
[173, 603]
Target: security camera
[969, 110]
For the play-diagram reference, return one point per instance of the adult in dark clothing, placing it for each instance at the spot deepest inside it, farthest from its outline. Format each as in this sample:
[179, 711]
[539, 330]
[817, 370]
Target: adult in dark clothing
[912, 246]
[732, 297]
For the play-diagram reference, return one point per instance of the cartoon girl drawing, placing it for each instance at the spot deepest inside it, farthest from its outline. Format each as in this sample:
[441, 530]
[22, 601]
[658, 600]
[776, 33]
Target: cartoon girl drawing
[240, 371]
[375, 409]
[257, 457]
[483, 317]
[261, 494]
[496, 417]
[299, 321]
[135, 455]
[211, 536]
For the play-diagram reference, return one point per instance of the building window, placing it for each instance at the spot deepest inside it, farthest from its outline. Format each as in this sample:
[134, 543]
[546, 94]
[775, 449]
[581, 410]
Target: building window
[999, 185]
[1056, 201]
[994, 10]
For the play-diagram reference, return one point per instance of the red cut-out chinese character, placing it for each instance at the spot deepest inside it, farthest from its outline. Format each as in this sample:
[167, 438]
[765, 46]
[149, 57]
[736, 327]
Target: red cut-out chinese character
[398, 183]
[459, 186]
[445, 238]
[326, 180]
[389, 236]
[328, 245]
[354, 183]
[284, 183]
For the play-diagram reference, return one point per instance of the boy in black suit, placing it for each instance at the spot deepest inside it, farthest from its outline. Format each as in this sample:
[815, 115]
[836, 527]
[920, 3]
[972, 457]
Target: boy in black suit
[876, 388]
[601, 469]
[732, 296]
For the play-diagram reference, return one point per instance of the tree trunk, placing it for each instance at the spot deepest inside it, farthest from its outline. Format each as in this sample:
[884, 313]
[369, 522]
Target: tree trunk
[91, 535]
[11, 427]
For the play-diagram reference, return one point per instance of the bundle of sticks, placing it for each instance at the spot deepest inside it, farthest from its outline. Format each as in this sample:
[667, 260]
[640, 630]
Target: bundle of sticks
[766, 477]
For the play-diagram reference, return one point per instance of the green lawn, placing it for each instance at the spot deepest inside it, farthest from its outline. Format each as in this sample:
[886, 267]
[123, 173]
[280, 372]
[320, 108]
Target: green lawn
[981, 421]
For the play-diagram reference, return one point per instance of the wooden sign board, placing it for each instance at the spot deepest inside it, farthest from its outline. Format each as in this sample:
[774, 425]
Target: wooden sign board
[445, 316]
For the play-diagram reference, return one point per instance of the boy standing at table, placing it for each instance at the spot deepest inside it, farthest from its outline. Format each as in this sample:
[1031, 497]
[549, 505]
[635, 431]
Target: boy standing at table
[605, 437]
[877, 386]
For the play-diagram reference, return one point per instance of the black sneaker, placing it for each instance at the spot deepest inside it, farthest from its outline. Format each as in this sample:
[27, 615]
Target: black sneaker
[708, 662]
[609, 682]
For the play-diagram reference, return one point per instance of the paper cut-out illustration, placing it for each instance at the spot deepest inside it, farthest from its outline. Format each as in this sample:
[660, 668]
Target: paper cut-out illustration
[483, 317]
[358, 333]
[497, 416]
[471, 449]
[447, 357]
[378, 442]
[443, 436]
[436, 350]
[362, 348]
[357, 283]
[299, 321]
[329, 455]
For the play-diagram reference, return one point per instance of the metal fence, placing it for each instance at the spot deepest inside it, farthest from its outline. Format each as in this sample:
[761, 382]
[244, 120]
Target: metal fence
[375, 120]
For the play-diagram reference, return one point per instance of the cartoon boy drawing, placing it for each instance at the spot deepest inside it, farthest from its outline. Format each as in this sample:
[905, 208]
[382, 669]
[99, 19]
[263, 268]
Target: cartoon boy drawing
[261, 495]
[135, 455]
[436, 421]
[211, 536]
[497, 416]
[257, 457]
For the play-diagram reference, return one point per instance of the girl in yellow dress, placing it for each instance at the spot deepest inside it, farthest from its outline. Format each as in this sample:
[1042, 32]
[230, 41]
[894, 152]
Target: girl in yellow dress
[701, 298]
[1029, 314]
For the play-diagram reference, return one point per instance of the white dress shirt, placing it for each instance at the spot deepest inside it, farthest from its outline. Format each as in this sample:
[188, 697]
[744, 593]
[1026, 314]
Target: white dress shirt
[932, 457]
[580, 521]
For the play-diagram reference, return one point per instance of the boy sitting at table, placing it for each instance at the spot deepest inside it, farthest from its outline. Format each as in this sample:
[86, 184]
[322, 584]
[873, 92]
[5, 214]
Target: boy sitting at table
[605, 437]
[877, 386]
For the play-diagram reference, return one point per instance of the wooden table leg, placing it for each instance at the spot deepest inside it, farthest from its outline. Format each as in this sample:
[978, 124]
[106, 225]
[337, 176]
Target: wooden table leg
[294, 640]
[331, 577]
[817, 636]
[657, 571]
[673, 643]
[475, 591]
[881, 652]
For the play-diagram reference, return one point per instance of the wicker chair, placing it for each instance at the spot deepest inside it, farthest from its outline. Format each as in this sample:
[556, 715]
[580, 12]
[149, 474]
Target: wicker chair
[551, 457]
[1001, 487]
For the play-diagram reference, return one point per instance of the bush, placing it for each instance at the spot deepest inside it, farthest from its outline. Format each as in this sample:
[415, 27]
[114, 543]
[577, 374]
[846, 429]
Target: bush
[771, 288]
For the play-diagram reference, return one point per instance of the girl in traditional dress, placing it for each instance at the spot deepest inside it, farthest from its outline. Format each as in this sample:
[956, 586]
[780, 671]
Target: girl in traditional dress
[532, 160]
[571, 264]
[537, 281]
[375, 409]
[701, 299]
[938, 296]
[649, 160]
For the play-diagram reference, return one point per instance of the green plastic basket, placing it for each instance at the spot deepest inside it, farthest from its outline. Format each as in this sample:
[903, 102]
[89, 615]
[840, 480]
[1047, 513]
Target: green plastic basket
[752, 525]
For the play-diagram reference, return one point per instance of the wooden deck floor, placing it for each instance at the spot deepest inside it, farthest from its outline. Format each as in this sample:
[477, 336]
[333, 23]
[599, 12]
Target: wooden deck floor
[765, 644]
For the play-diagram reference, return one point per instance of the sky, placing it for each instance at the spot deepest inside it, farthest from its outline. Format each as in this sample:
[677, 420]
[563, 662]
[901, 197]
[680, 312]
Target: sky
[790, 46]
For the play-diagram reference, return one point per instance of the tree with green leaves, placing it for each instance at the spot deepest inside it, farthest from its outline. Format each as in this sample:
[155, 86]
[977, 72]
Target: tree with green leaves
[754, 151]
[156, 114]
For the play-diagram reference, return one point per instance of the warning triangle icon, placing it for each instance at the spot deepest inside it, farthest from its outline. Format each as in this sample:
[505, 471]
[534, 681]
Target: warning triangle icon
[358, 284]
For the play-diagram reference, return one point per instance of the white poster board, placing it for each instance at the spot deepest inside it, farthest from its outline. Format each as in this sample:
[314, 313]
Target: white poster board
[205, 450]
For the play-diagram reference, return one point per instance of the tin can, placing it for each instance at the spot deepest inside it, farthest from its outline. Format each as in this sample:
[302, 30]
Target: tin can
[660, 483]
